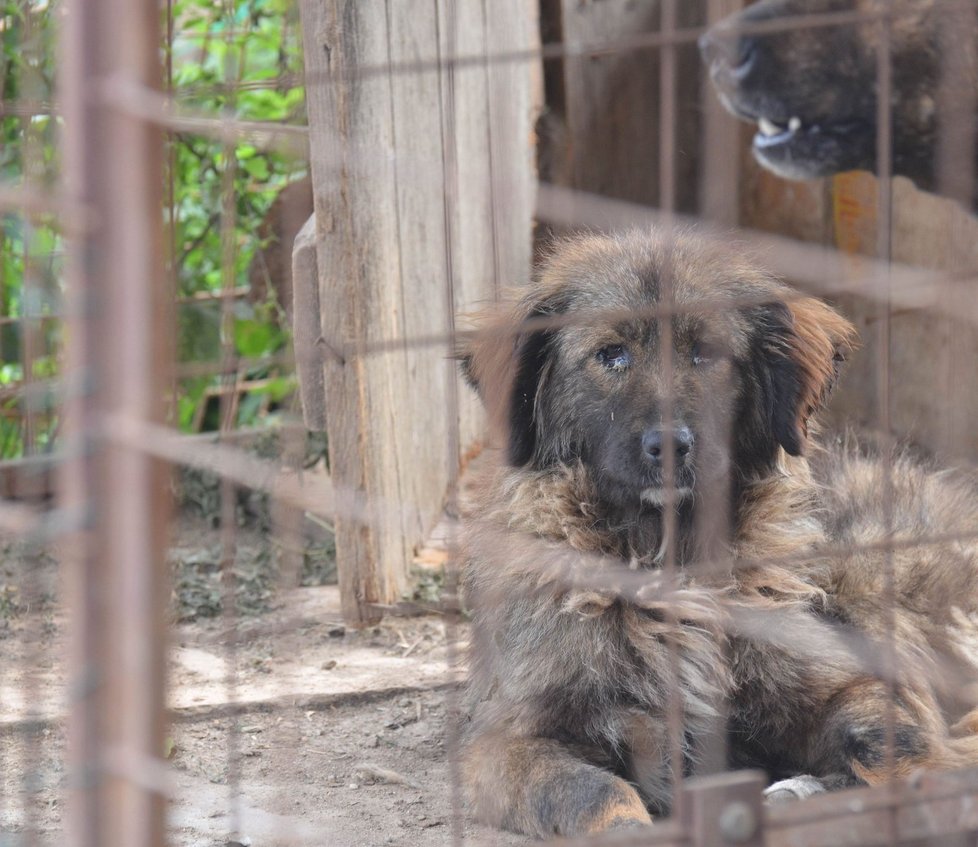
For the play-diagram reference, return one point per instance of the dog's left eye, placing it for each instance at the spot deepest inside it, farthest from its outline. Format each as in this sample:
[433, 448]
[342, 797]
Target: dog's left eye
[704, 353]
[615, 357]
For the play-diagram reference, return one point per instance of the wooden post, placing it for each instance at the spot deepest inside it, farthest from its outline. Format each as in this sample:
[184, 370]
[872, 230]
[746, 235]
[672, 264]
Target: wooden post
[118, 350]
[613, 104]
[388, 272]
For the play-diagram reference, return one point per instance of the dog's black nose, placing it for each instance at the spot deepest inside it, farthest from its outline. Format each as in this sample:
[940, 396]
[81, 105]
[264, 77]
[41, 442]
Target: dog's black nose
[724, 47]
[654, 438]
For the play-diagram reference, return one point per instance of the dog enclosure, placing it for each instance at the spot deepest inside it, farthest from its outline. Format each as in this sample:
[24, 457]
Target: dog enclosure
[441, 144]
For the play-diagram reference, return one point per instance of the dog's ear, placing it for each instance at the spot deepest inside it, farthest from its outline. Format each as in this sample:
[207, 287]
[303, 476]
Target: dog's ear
[532, 353]
[505, 361]
[820, 343]
[799, 351]
[464, 354]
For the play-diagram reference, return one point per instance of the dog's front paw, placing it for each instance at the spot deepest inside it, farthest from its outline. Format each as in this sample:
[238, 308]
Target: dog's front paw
[795, 788]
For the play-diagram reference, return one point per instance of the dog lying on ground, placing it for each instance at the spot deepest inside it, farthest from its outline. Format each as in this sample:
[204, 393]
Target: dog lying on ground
[655, 527]
[813, 90]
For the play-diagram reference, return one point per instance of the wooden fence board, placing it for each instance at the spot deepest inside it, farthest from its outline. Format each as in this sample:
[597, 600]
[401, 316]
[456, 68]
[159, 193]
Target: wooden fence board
[612, 102]
[396, 255]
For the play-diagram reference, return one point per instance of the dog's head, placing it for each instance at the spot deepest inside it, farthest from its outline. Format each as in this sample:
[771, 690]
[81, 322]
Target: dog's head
[810, 84]
[577, 370]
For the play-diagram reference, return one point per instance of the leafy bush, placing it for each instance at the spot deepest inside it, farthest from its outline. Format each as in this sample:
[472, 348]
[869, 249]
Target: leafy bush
[244, 63]
[30, 250]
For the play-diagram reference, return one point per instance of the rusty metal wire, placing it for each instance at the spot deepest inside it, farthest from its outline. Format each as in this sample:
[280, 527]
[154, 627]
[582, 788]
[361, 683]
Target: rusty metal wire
[891, 285]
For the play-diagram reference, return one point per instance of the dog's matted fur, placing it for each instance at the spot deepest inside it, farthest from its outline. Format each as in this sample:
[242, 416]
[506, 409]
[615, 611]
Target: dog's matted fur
[778, 602]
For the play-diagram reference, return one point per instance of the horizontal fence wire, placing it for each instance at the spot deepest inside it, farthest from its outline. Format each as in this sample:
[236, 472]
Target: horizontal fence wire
[821, 270]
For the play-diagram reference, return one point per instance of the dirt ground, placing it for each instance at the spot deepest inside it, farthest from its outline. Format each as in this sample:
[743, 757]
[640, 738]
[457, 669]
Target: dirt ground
[300, 732]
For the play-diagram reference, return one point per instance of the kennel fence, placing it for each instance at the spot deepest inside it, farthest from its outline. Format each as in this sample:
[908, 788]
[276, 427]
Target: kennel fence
[419, 139]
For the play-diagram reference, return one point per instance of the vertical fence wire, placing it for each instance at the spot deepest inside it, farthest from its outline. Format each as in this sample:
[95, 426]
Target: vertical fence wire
[446, 29]
[92, 759]
[670, 519]
[233, 68]
[32, 294]
[115, 494]
[884, 158]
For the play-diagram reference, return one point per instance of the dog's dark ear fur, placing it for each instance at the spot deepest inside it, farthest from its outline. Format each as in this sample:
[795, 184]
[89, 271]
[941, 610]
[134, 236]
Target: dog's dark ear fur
[799, 348]
[532, 351]
[463, 355]
[505, 362]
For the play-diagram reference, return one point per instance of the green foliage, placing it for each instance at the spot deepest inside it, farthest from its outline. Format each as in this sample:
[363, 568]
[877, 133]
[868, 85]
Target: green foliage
[240, 59]
[246, 65]
[30, 251]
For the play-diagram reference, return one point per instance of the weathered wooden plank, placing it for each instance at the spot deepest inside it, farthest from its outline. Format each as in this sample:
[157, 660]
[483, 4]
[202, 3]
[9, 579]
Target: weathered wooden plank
[720, 141]
[475, 214]
[612, 104]
[356, 244]
[932, 386]
[307, 326]
[496, 104]
[403, 167]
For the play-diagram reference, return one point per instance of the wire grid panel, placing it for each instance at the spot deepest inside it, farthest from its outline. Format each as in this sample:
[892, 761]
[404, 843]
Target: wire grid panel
[224, 708]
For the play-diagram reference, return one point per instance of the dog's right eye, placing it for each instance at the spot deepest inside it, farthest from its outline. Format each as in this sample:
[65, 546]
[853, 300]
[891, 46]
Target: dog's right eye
[615, 357]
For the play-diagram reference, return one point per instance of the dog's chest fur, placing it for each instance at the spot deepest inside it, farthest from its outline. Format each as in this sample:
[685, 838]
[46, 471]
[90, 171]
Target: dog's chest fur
[577, 629]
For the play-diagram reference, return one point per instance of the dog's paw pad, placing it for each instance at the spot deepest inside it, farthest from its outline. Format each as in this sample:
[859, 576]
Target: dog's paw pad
[796, 788]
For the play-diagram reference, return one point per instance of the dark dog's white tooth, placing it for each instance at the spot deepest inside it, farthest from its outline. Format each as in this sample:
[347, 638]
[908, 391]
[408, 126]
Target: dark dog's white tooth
[768, 127]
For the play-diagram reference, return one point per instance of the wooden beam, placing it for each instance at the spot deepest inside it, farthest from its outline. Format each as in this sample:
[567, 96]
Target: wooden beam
[409, 229]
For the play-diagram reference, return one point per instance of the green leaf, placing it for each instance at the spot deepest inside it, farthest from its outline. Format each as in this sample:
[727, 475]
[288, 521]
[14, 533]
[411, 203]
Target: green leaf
[257, 168]
[253, 339]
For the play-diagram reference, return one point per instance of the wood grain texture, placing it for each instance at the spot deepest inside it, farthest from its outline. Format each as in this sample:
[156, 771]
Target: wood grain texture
[612, 107]
[423, 184]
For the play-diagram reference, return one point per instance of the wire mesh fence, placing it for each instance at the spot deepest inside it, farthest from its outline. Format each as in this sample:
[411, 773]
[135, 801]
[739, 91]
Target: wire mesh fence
[581, 561]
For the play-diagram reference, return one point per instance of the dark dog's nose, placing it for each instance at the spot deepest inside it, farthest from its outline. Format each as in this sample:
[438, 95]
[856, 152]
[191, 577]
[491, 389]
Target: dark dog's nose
[654, 438]
[724, 47]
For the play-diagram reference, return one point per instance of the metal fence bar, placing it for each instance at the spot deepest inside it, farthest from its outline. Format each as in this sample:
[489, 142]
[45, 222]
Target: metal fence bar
[118, 349]
[447, 34]
[114, 113]
[884, 159]
[667, 202]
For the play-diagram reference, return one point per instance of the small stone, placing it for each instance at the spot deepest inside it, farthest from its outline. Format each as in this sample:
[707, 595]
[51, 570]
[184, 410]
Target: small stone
[353, 786]
[329, 665]
[336, 631]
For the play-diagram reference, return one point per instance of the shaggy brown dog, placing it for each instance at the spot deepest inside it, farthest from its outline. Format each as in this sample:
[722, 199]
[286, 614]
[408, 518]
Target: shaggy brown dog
[580, 632]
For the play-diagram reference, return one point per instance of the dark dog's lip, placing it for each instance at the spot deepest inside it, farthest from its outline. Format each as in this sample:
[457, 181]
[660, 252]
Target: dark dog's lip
[774, 135]
[775, 132]
[650, 487]
[658, 495]
[655, 489]
[775, 139]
